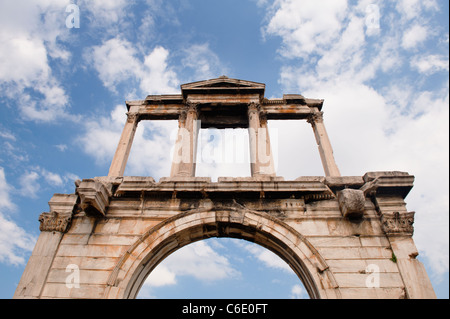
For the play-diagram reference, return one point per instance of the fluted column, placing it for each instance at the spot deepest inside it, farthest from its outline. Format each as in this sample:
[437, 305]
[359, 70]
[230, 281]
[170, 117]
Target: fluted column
[324, 144]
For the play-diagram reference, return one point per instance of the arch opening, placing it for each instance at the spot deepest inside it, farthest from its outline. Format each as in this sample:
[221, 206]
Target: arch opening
[189, 227]
[218, 268]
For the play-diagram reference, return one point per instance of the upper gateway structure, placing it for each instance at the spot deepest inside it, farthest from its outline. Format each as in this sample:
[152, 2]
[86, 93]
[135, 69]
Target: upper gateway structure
[224, 103]
[344, 236]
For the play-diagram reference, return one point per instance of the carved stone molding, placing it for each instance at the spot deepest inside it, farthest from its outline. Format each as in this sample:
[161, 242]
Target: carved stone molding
[316, 117]
[191, 107]
[54, 221]
[133, 117]
[94, 196]
[62, 208]
[254, 108]
[398, 224]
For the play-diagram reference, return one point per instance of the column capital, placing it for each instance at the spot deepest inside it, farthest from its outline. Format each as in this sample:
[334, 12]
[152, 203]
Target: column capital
[191, 106]
[398, 224]
[254, 107]
[315, 117]
[133, 117]
[54, 221]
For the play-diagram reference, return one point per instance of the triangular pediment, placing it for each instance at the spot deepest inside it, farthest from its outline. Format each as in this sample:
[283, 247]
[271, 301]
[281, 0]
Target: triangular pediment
[223, 83]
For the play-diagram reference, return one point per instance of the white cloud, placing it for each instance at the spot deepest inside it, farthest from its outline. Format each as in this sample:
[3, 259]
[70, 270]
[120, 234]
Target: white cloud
[102, 135]
[298, 292]
[157, 77]
[200, 261]
[31, 31]
[411, 9]
[37, 179]
[52, 178]
[114, 61]
[204, 63]
[150, 153]
[24, 59]
[7, 135]
[197, 260]
[16, 242]
[304, 27]
[268, 258]
[117, 62]
[5, 200]
[430, 64]
[29, 183]
[161, 276]
[414, 36]
[107, 15]
[61, 147]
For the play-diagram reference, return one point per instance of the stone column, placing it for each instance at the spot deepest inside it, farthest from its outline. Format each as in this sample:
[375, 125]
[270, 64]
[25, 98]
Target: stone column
[261, 160]
[120, 159]
[323, 142]
[185, 153]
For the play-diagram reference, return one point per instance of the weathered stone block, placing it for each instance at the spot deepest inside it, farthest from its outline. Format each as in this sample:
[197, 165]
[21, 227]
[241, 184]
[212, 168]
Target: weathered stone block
[351, 202]
[94, 196]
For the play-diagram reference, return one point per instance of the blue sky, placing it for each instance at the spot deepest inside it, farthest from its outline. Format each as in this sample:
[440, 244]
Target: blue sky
[381, 66]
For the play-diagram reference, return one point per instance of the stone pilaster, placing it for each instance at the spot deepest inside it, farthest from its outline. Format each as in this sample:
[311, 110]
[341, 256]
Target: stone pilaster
[53, 226]
[388, 190]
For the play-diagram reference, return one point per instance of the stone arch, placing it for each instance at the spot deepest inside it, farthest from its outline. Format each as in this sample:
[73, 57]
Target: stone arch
[188, 227]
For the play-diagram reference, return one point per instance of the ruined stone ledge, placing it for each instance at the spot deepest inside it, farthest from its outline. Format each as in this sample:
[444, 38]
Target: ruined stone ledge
[391, 183]
[314, 187]
[260, 178]
[344, 181]
[204, 185]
